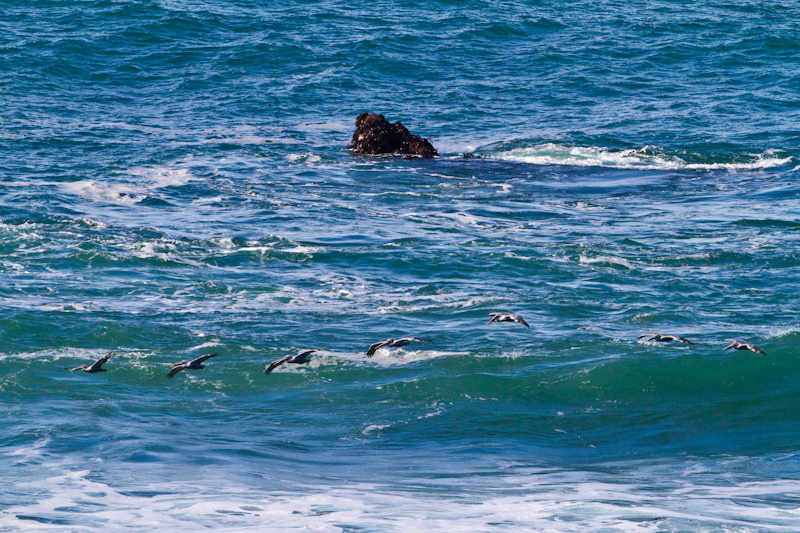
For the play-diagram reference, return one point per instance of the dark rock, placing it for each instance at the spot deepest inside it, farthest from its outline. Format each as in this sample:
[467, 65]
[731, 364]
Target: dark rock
[376, 135]
[470, 155]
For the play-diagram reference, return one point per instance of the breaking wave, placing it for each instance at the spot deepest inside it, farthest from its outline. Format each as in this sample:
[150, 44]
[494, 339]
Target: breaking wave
[644, 158]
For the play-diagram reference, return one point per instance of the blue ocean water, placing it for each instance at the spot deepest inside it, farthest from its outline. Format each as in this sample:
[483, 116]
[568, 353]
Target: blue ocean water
[175, 182]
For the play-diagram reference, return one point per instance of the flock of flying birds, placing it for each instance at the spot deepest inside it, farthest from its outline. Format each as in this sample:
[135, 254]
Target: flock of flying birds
[735, 344]
[303, 357]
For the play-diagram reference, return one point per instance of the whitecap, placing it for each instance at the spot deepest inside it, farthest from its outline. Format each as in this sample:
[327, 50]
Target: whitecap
[126, 192]
[306, 157]
[782, 331]
[646, 158]
[398, 356]
[583, 206]
[605, 259]
[161, 177]
[299, 249]
[373, 428]
[210, 344]
[512, 255]
[104, 191]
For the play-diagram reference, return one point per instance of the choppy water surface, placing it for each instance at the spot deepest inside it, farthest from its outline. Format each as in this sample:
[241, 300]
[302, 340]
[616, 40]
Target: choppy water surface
[175, 182]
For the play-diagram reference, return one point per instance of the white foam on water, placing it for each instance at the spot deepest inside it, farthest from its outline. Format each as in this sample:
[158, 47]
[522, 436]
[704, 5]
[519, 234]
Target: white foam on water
[782, 331]
[24, 454]
[53, 356]
[18, 183]
[226, 243]
[445, 219]
[645, 158]
[147, 180]
[420, 303]
[583, 206]
[92, 223]
[562, 502]
[210, 344]
[305, 158]
[75, 306]
[386, 357]
[162, 248]
[437, 409]
[320, 359]
[160, 177]
[466, 218]
[212, 201]
[9, 265]
[412, 194]
[104, 192]
[606, 259]
[300, 249]
[374, 428]
[327, 126]
[512, 255]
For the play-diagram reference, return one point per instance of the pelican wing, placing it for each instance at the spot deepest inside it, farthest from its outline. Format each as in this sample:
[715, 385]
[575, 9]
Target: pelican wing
[100, 362]
[374, 347]
[521, 320]
[731, 345]
[202, 358]
[302, 357]
[175, 369]
[669, 338]
[275, 364]
[76, 368]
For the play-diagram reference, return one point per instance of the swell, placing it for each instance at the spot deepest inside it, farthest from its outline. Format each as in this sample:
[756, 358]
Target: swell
[628, 399]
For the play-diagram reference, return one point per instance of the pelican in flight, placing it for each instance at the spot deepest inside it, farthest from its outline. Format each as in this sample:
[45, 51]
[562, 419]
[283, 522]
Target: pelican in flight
[97, 366]
[657, 337]
[393, 343]
[739, 345]
[194, 364]
[298, 359]
[507, 317]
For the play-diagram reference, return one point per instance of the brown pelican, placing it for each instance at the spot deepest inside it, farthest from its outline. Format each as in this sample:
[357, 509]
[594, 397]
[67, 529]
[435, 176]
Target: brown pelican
[298, 359]
[739, 345]
[393, 343]
[657, 337]
[507, 317]
[194, 364]
[97, 366]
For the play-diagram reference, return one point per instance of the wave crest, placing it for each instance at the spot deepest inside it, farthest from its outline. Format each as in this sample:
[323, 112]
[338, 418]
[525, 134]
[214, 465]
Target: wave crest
[645, 158]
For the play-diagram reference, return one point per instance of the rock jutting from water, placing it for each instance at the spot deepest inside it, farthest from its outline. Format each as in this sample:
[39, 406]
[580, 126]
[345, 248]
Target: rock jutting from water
[375, 135]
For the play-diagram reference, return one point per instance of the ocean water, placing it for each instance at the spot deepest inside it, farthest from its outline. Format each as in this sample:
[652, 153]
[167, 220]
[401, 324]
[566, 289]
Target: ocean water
[175, 182]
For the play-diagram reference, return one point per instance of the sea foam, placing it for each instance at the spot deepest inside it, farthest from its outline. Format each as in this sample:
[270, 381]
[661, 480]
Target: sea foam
[646, 158]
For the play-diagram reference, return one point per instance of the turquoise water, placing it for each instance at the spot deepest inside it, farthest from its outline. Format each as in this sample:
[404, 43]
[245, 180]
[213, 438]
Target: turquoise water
[175, 182]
